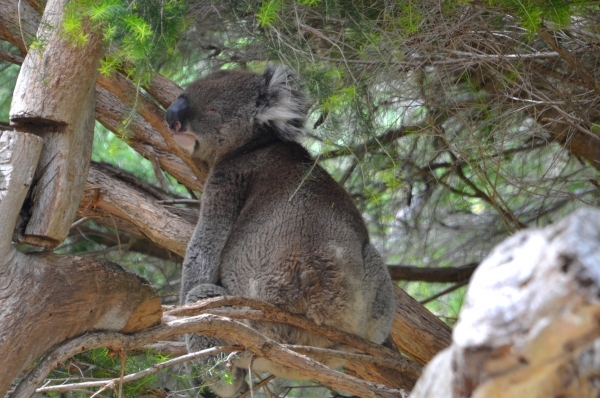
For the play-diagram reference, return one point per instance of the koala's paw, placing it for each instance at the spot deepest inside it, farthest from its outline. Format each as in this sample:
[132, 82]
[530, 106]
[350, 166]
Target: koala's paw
[203, 291]
[218, 377]
[197, 342]
[229, 386]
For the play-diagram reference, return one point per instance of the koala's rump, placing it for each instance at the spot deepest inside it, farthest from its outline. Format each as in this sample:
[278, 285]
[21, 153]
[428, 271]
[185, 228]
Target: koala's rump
[303, 254]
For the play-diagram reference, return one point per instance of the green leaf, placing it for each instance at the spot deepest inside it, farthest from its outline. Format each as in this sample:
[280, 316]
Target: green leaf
[310, 3]
[268, 12]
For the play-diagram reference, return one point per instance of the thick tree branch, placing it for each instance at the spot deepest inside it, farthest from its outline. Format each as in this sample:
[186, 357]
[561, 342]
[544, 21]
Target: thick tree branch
[139, 211]
[111, 111]
[208, 325]
[163, 90]
[93, 294]
[271, 313]
[59, 108]
[127, 92]
[529, 325]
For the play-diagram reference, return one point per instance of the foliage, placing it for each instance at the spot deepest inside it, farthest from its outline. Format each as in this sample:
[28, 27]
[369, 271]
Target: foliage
[102, 363]
[9, 74]
[452, 124]
[421, 109]
[533, 13]
[140, 34]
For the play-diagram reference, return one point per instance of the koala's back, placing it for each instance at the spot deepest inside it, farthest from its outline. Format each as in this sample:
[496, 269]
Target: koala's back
[300, 243]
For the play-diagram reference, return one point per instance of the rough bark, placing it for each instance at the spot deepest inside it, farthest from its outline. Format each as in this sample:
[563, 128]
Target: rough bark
[214, 326]
[18, 158]
[144, 139]
[419, 334]
[126, 91]
[110, 109]
[529, 326]
[135, 211]
[263, 311]
[416, 331]
[59, 108]
[47, 299]
[18, 23]
[163, 90]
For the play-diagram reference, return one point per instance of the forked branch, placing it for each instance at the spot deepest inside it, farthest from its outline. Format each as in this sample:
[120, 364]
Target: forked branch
[212, 326]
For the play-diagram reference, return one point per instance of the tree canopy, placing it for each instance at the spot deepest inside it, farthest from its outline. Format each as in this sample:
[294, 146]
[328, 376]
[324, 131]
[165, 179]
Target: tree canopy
[453, 124]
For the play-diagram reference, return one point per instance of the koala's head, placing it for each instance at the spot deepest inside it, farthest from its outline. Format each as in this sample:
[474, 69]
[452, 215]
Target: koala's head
[224, 111]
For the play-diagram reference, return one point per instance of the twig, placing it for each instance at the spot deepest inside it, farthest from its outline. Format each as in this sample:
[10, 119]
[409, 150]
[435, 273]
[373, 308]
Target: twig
[316, 161]
[179, 201]
[79, 222]
[143, 373]
[257, 386]
[158, 171]
[123, 358]
[571, 60]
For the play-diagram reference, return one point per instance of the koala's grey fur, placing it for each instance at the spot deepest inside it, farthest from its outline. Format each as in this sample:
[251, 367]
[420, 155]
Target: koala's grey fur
[274, 225]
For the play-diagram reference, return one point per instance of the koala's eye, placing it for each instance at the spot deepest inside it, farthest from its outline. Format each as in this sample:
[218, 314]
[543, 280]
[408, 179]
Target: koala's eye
[211, 110]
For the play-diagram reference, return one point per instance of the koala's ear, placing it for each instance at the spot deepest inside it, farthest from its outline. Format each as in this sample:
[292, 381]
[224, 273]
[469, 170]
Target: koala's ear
[280, 106]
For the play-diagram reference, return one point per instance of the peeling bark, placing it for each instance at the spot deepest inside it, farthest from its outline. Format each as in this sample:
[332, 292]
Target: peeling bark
[43, 293]
[46, 299]
[529, 326]
[59, 108]
[18, 158]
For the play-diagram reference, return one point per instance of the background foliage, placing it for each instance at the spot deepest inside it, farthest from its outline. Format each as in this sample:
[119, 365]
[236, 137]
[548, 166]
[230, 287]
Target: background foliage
[452, 124]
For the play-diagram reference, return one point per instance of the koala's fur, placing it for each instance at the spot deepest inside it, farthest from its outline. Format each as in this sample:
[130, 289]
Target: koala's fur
[274, 225]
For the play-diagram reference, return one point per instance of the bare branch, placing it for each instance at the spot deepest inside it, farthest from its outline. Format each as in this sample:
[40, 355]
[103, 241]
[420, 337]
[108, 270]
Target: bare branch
[438, 274]
[143, 373]
[212, 326]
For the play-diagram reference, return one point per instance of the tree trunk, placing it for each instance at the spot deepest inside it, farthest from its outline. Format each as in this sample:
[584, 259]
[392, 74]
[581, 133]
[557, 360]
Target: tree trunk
[46, 299]
[529, 326]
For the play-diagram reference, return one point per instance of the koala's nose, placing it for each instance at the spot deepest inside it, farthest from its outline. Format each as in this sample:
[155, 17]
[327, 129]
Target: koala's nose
[177, 113]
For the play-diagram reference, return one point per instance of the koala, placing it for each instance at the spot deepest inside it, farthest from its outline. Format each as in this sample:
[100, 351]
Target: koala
[273, 224]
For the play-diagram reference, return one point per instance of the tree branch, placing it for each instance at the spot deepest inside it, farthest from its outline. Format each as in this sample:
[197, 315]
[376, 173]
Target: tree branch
[112, 197]
[270, 313]
[437, 274]
[143, 373]
[212, 326]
